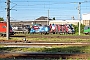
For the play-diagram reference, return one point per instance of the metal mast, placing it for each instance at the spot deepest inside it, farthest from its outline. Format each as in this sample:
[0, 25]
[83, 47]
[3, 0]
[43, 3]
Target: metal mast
[8, 18]
[79, 9]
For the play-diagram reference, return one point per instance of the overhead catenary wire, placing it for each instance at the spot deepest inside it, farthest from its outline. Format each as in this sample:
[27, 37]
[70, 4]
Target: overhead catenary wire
[43, 6]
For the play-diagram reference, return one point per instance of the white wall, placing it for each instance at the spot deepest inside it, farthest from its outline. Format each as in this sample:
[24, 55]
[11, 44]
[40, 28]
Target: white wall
[64, 21]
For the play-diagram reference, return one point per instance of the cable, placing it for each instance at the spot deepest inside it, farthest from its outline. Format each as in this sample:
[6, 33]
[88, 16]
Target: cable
[41, 7]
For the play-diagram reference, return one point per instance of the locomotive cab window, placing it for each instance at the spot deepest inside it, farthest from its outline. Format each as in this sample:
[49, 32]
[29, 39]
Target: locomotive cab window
[85, 28]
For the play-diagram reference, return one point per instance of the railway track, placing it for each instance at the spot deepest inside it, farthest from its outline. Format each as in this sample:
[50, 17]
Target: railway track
[40, 44]
[59, 36]
[42, 55]
[44, 44]
[53, 36]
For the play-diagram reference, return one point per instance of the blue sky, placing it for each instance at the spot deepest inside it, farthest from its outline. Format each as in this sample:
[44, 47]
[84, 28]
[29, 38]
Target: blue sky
[32, 9]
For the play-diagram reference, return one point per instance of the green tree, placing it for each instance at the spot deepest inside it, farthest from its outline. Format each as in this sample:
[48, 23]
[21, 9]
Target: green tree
[76, 27]
[1, 19]
[82, 28]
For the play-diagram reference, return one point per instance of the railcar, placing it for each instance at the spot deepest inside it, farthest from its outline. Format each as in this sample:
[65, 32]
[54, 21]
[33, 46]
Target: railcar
[87, 30]
[36, 28]
[53, 28]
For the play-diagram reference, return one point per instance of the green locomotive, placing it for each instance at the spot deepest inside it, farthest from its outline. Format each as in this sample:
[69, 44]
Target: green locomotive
[87, 30]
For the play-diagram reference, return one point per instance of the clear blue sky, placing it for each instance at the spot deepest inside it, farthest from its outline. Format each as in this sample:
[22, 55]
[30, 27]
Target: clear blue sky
[32, 9]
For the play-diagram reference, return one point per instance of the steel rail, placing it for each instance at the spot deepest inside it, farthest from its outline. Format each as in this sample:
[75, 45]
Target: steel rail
[44, 44]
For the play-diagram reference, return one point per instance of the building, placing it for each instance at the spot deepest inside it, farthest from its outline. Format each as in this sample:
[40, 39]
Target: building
[46, 21]
[41, 20]
[75, 22]
[86, 19]
[16, 23]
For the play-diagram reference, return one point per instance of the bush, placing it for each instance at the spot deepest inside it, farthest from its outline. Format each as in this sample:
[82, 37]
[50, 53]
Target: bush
[76, 27]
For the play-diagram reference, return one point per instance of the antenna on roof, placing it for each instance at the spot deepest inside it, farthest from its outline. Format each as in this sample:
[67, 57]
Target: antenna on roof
[48, 18]
[73, 18]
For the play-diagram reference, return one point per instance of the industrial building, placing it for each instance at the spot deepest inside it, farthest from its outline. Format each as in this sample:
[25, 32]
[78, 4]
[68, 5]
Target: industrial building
[86, 19]
[75, 22]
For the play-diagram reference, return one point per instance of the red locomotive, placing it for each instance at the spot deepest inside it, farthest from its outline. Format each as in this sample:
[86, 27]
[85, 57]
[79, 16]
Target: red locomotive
[3, 29]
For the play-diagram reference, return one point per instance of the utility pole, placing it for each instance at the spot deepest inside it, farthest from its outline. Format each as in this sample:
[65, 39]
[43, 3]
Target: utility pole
[79, 10]
[8, 18]
[48, 18]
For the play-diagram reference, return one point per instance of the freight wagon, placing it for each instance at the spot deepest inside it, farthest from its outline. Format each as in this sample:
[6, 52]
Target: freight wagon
[3, 29]
[21, 28]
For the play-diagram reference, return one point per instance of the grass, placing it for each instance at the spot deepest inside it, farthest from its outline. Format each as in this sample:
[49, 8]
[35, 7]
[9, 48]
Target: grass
[2, 38]
[61, 49]
[42, 38]
[54, 49]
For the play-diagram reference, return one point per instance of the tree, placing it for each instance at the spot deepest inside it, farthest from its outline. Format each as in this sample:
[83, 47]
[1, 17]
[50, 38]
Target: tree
[1, 19]
[81, 27]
